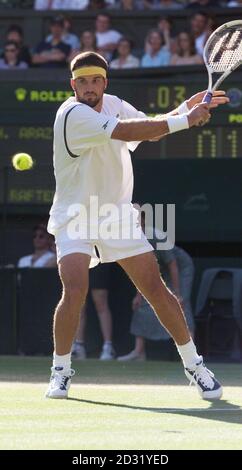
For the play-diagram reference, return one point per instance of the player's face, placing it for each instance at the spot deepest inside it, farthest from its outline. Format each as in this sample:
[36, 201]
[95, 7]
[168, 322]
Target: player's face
[89, 90]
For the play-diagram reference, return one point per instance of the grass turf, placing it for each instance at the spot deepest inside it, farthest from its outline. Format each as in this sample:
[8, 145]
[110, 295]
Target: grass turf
[117, 406]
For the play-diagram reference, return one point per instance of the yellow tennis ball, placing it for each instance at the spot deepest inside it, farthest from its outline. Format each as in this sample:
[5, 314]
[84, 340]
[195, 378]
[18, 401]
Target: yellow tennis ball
[22, 161]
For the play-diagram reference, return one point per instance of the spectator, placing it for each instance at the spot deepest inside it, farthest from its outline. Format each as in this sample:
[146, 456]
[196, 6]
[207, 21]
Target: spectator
[148, 4]
[55, 52]
[158, 54]
[186, 52]
[177, 270]
[199, 30]
[107, 38]
[198, 4]
[166, 5]
[125, 59]
[234, 3]
[87, 43]
[97, 5]
[128, 5]
[60, 4]
[15, 34]
[52, 263]
[164, 25]
[99, 283]
[68, 37]
[42, 255]
[10, 60]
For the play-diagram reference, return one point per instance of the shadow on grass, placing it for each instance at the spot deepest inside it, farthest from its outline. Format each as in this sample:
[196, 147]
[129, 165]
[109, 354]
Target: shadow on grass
[219, 410]
[28, 369]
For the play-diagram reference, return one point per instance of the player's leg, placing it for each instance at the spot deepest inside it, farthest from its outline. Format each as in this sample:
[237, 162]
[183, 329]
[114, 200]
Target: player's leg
[73, 270]
[144, 272]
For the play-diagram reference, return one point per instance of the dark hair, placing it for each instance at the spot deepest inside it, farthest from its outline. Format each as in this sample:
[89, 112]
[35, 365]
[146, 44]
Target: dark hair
[96, 4]
[200, 13]
[11, 43]
[16, 29]
[156, 31]
[57, 20]
[94, 38]
[42, 227]
[128, 40]
[192, 43]
[87, 59]
[104, 13]
[166, 18]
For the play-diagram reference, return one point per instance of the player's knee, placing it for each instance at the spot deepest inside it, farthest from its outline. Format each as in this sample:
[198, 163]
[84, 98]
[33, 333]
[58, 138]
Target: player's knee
[161, 295]
[75, 294]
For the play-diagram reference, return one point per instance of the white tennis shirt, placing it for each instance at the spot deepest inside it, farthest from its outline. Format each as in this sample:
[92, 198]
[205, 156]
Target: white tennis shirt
[87, 162]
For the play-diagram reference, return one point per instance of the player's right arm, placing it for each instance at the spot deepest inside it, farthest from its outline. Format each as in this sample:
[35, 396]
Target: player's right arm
[150, 128]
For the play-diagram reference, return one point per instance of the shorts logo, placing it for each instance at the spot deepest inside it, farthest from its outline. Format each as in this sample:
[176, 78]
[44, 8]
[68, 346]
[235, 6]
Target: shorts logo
[105, 125]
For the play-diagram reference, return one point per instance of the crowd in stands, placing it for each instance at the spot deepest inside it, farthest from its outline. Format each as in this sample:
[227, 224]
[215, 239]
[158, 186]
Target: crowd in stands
[161, 47]
[131, 4]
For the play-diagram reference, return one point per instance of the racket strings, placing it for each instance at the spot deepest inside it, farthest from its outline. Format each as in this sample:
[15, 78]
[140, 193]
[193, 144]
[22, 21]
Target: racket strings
[224, 50]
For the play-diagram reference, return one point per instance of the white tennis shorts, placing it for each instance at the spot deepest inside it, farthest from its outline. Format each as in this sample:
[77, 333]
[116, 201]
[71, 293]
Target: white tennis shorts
[114, 241]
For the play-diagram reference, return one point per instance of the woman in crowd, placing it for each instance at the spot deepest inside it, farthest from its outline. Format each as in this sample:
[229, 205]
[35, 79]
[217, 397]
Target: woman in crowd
[158, 53]
[11, 59]
[125, 59]
[87, 43]
[186, 52]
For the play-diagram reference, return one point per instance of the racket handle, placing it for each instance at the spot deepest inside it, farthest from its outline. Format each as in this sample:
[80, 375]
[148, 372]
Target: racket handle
[208, 97]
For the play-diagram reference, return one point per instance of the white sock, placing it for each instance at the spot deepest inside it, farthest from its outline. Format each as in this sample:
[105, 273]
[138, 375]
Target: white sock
[107, 343]
[62, 361]
[189, 355]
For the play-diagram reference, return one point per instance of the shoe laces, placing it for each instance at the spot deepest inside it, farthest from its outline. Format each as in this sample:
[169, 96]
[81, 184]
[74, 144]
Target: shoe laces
[61, 378]
[204, 375]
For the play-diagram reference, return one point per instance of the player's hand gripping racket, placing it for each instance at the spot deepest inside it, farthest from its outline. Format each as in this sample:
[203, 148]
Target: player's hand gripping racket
[222, 54]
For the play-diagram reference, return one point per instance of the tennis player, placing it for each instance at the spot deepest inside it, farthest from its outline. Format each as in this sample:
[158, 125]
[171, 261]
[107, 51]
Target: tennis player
[93, 133]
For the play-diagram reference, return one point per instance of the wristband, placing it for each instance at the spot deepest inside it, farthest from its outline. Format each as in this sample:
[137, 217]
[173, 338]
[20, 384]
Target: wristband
[177, 123]
[183, 108]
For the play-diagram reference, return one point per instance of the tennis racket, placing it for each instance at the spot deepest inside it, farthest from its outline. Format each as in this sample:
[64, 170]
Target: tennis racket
[222, 54]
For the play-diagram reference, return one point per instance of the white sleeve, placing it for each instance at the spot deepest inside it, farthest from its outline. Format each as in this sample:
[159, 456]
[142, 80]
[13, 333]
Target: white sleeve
[24, 262]
[85, 128]
[41, 5]
[130, 112]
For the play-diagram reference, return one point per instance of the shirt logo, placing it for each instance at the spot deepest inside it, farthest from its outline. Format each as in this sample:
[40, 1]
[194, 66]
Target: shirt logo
[105, 125]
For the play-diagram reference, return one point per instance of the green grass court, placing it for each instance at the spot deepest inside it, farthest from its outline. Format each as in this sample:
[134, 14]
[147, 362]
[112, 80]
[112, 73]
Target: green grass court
[117, 406]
